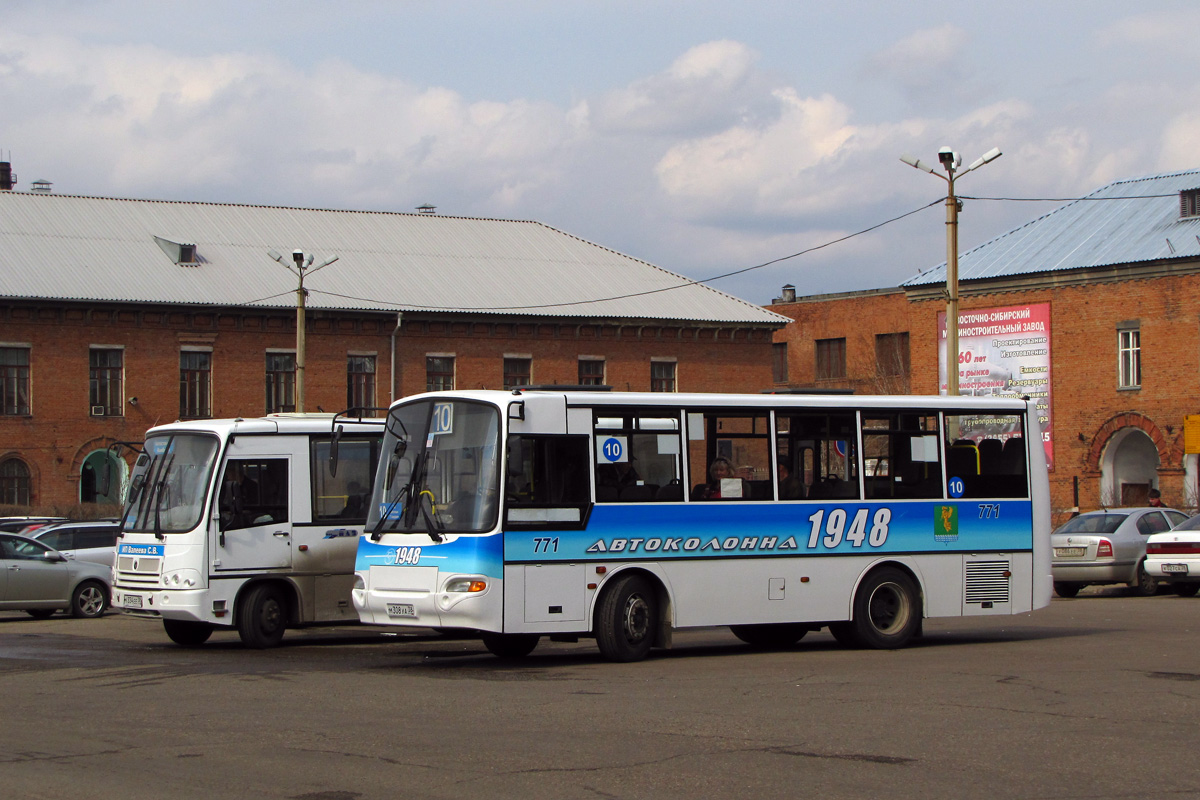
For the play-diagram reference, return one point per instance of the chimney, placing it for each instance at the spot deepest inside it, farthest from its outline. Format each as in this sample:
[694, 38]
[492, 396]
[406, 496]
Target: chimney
[789, 294]
[7, 178]
[42, 186]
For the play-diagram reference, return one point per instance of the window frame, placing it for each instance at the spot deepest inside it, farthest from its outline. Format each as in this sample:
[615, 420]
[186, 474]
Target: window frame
[280, 382]
[361, 383]
[830, 362]
[1129, 357]
[195, 386]
[106, 381]
[16, 381]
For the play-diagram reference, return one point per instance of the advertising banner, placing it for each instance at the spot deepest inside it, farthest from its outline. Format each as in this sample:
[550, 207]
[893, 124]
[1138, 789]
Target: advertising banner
[1003, 352]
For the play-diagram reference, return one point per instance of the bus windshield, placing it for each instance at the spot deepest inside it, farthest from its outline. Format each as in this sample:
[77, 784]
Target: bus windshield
[169, 483]
[440, 472]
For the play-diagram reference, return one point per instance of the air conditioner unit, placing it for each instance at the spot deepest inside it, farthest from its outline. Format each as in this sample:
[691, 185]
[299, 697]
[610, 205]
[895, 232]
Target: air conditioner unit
[97, 411]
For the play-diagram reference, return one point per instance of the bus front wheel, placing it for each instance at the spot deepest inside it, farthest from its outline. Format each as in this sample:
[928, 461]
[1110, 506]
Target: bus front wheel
[626, 618]
[887, 612]
[262, 617]
[186, 633]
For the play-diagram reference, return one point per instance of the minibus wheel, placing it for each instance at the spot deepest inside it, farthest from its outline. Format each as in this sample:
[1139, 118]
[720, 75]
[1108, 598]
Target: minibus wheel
[770, 637]
[262, 617]
[510, 645]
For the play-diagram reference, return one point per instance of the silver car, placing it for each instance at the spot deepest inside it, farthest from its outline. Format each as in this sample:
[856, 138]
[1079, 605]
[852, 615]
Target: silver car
[1108, 546]
[39, 580]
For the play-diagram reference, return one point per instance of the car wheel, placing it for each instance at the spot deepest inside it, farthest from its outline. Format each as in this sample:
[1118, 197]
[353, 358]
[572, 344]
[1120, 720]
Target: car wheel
[1063, 589]
[41, 613]
[770, 637]
[510, 645]
[887, 613]
[1145, 584]
[90, 600]
[187, 633]
[1185, 589]
[626, 618]
[262, 617]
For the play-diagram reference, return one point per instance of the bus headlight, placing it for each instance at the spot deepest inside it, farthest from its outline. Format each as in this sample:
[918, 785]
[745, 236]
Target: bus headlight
[465, 585]
[186, 578]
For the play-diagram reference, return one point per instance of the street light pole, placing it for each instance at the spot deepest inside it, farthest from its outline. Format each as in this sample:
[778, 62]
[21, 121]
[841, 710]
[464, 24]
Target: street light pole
[950, 162]
[303, 266]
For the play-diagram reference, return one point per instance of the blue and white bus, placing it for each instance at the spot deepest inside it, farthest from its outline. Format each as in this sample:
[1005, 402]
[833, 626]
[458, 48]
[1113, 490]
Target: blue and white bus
[626, 516]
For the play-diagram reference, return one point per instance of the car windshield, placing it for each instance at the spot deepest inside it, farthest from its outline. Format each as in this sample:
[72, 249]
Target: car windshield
[440, 470]
[1093, 523]
[169, 483]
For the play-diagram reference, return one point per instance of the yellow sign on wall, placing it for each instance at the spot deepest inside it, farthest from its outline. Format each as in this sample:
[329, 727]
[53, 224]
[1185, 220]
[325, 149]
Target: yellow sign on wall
[1191, 433]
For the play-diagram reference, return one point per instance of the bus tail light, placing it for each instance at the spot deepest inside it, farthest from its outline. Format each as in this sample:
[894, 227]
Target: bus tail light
[1104, 549]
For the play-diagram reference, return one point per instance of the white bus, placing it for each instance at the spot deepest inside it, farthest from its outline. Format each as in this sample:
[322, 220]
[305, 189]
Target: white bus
[626, 516]
[246, 523]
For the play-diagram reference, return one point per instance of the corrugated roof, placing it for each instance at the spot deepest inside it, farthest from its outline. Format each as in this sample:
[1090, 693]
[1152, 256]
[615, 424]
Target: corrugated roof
[64, 247]
[1126, 222]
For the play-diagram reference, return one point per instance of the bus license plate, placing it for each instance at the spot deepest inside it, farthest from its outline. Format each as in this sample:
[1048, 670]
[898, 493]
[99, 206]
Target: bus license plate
[1069, 552]
[1180, 568]
[401, 610]
[132, 601]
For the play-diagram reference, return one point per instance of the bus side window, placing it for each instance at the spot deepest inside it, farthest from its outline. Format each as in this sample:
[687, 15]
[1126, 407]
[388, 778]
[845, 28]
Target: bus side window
[254, 492]
[547, 471]
[988, 455]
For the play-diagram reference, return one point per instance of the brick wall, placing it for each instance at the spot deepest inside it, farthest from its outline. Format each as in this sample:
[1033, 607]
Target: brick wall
[60, 433]
[1088, 409]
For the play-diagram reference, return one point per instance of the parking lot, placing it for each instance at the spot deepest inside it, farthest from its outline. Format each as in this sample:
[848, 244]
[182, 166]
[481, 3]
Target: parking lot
[1095, 697]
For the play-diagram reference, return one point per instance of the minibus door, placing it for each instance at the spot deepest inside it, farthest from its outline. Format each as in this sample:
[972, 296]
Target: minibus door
[253, 523]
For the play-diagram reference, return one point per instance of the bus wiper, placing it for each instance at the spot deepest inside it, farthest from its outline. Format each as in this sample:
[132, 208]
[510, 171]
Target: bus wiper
[432, 526]
[402, 495]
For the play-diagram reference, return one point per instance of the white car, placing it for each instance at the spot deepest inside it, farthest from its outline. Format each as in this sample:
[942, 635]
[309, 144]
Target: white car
[1174, 557]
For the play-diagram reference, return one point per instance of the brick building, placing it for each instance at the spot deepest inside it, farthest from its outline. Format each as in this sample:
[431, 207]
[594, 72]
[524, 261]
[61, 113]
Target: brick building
[116, 315]
[1094, 309]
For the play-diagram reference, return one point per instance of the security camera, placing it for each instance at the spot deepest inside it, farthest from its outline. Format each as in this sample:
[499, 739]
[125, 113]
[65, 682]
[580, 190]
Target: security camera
[298, 257]
[948, 157]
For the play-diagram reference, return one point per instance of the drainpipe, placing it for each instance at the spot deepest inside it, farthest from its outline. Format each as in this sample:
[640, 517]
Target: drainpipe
[392, 371]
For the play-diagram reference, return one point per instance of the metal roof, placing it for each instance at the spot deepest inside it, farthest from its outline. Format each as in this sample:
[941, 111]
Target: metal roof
[1125, 222]
[63, 247]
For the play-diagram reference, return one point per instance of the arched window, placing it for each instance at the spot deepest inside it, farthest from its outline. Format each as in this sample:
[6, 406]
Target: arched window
[14, 482]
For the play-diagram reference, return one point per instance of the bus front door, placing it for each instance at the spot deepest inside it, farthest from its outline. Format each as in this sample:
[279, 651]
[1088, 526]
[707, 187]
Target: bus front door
[254, 529]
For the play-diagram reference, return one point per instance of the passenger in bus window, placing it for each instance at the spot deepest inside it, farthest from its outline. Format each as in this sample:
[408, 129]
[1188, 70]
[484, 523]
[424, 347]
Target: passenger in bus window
[722, 485]
[790, 487]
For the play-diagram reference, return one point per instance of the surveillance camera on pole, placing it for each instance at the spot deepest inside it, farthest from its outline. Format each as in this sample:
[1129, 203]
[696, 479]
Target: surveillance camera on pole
[303, 263]
[951, 161]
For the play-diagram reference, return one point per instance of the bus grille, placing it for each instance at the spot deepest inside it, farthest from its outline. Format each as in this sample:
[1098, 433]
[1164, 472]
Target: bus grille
[139, 565]
[987, 581]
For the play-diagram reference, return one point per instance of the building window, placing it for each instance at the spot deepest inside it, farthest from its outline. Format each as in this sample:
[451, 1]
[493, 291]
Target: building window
[439, 373]
[14, 482]
[891, 354]
[779, 363]
[106, 366]
[1189, 203]
[360, 382]
[662, 376]
[195, 385]
[517, 372]
[281, 382]
[831, 359]
[1129, 358]
[591, 372]
[14, 381]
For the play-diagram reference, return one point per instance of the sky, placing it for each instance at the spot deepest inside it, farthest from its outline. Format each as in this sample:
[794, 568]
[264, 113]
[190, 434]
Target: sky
[704, 137]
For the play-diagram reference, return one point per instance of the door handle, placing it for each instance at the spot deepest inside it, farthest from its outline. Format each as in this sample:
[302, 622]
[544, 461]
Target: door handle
[280, 533]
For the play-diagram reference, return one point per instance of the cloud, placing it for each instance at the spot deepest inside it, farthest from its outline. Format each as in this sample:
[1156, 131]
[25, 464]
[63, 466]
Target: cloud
[926, 61]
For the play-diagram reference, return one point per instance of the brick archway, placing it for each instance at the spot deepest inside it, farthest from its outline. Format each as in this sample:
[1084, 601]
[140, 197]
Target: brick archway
[1170, 454]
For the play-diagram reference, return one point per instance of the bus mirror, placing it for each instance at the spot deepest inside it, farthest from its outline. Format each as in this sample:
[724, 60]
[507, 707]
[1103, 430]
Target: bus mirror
[516, 410]
[333, 450]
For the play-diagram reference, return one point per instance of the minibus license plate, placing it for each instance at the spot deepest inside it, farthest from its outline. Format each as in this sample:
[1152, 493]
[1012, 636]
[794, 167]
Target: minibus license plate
[1069, 552]
[1180, 568]
[133, 601]
[401, 610]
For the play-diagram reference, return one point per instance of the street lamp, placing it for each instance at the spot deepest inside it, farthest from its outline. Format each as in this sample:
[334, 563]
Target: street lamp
[950, 162]
[303, 266]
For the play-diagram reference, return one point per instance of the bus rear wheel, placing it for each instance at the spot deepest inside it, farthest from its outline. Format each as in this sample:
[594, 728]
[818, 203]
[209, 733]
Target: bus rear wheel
[510, 645]
[626, 619]
[262, 617]
[187, 633]
[770, 637]
[887, 613]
